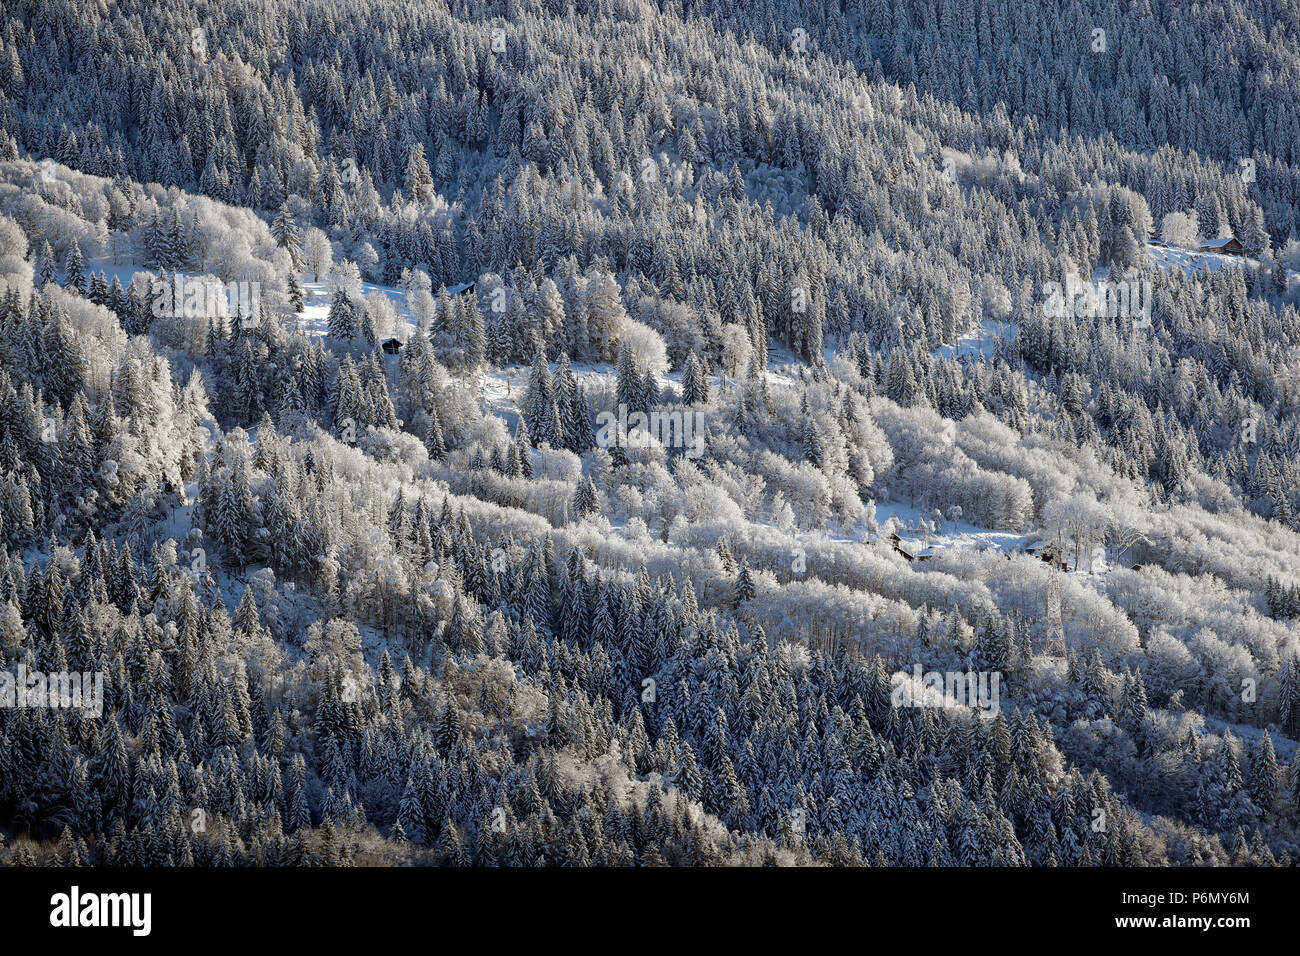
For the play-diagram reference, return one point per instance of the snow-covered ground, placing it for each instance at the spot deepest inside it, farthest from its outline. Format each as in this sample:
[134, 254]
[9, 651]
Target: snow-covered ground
[316, 298]
[105, 264]
[1188, 261]
[979, 342]
[317, 295]
[961, 536]
[950, 536]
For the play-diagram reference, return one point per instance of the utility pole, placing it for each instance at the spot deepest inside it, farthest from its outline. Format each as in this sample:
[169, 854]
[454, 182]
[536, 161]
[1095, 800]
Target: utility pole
[1055, 645]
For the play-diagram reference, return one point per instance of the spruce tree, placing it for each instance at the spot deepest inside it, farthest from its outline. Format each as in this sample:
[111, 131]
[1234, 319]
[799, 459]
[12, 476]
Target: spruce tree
[285, 233]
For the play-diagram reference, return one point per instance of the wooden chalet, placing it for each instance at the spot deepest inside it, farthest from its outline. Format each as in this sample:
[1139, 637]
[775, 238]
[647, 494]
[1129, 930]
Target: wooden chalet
[1225, 246]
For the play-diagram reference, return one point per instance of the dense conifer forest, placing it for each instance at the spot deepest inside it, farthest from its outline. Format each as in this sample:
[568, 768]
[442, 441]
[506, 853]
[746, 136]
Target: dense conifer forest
[630, 433]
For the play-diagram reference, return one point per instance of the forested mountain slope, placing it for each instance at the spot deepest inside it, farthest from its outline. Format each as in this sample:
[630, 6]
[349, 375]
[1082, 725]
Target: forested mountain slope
[323, 332]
